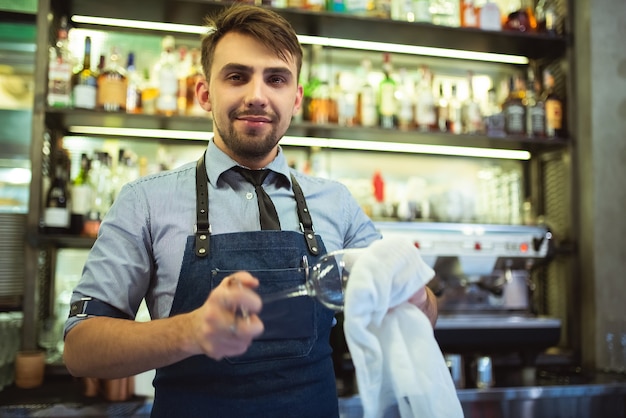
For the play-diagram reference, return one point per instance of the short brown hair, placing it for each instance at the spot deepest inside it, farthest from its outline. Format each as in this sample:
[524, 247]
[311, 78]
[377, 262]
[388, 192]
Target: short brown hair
[265, 25]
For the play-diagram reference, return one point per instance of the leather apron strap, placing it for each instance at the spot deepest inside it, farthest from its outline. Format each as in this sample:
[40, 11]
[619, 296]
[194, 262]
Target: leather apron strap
[203, 227]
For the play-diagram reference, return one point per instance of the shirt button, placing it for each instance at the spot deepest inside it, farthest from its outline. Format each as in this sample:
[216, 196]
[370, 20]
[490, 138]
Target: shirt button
[249, 195]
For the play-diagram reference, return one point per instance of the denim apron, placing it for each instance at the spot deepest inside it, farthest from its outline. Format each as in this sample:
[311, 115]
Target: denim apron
[287, 371]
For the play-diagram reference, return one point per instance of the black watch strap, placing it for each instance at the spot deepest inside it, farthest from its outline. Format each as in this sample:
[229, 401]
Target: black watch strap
[90, 306]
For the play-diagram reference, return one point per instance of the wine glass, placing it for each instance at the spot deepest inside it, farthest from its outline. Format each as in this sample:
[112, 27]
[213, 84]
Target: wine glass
[325, 281]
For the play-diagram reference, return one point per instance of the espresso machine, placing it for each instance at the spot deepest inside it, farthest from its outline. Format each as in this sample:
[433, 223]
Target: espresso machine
[484, 286]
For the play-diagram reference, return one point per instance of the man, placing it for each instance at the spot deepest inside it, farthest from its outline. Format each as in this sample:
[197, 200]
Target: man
[189, 242]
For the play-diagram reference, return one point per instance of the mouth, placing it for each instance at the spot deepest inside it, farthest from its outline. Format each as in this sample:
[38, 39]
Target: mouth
[254, 119]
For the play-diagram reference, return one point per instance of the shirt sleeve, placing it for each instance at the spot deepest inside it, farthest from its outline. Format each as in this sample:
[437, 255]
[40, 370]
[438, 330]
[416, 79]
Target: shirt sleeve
[119, 267]
[361, 231]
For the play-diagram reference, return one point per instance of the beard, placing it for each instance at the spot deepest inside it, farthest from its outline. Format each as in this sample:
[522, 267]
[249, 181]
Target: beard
[249, 145]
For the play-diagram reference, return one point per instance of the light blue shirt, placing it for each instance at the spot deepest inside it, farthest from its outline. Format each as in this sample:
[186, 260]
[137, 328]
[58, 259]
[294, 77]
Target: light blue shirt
[139, 250]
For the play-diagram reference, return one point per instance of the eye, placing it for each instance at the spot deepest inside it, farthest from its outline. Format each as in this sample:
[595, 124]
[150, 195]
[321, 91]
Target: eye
[277, 79]
[235, 77]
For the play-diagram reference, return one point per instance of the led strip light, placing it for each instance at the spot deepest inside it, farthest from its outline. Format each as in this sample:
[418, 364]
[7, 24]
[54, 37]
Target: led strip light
[317, 40]
[300, 141]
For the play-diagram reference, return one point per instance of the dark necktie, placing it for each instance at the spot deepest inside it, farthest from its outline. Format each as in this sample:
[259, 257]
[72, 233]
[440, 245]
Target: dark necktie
[267, 211]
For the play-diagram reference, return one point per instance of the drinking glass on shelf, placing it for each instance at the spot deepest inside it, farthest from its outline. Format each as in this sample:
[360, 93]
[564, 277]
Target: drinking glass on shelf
[325, 281]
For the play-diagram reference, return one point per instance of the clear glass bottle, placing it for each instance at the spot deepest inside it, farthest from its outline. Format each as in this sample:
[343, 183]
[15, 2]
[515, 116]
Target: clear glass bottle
[445, 12]
[472, 117]
[493, 116]
[490, 17]
[112, 85]
[366, 109]
[165, 74]
[133, 90]
[425, 108]
[442, 110]
[405, 99]
[455, 116]
[60, 66]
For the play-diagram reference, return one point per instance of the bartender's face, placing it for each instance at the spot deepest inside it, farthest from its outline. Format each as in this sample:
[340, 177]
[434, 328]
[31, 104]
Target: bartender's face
[252, 94]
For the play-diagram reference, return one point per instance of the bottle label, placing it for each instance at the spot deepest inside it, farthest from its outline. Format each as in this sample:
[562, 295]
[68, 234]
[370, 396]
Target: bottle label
[515, 121]
[59, 84]
[56, 217]
[554, 115]
[537, 117]
[425, 112]
[387, 100]
[112, 93]
[85, 96]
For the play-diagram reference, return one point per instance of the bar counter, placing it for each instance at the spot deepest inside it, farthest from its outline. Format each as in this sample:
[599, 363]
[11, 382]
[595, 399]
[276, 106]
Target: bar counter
[602, 395]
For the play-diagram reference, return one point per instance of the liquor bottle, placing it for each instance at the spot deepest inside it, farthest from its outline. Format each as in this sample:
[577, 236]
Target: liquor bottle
[514, 108]
[421, 9]
[472, 118]
[320, 106]
[366, 108]
[402, 10]
[60, 67]
[405, 99]
[442, 110]
[469, 14]
[493, 116]
[445, 12]
[133, 88]
[490, 17]
[81, 195]
[535, 107]
[387, 106]
[546, 17]
[112, 85]
[425, 109]
[346, 98]
[57, 211]
[523, 19]
[195, 74]
[455, 116]
[166, 78]
[553, 106]
[182, 71]
[149, 93]
[84, 82]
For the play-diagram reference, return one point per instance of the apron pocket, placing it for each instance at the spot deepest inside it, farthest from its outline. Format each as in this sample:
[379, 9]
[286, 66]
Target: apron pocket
[290, 324]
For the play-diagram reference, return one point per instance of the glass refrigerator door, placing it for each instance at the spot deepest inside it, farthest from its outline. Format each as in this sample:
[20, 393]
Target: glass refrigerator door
[17, 62]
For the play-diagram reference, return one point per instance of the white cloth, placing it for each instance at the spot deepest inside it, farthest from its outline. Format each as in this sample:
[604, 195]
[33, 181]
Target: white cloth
[399, 367]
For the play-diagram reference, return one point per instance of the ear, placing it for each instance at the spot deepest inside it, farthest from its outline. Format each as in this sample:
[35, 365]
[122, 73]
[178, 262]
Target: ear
[202, 94]
[298, 103]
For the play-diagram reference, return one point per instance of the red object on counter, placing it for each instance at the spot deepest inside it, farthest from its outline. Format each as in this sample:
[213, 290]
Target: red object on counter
[379, 187]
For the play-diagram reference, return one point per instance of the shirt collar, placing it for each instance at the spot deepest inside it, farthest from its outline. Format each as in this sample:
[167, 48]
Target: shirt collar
[218, 162]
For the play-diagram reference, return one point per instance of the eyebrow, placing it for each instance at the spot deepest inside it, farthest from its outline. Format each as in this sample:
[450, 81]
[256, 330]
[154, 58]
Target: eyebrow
[248, 69]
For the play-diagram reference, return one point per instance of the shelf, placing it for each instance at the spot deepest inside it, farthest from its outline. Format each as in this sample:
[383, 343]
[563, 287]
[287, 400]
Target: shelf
[65, 241]
[63, 119]
[335, 25]
[14, 17]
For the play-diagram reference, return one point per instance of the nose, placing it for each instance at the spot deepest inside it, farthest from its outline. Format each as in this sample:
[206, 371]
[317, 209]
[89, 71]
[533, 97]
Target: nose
[256, 94]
